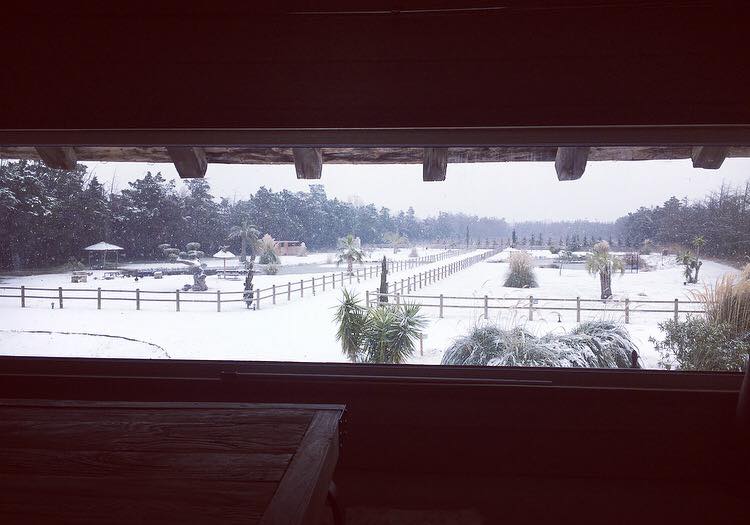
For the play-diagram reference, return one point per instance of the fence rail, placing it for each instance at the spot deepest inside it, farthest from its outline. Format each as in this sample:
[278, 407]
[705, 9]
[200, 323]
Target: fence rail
[532, 305]
[274, 293]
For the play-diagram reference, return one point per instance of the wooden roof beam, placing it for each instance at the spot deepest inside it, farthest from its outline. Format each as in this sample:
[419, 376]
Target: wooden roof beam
[190, 162]
[308, 162]
[59, 157]
[434, 164]
[709, 157]
[570, 162]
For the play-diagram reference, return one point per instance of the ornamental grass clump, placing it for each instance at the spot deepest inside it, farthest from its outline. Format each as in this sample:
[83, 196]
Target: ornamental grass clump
[520, 271]
[728, 302]
[594, 344]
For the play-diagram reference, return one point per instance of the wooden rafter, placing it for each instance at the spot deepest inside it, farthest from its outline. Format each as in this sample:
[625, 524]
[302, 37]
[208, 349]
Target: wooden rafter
[709, 157]
[190, 162]
[308, 162]
[59, 158]
[570, 162]
[435, 164]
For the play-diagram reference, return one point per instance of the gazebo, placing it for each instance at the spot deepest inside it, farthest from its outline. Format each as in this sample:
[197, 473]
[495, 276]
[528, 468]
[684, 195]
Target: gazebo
[104, 247]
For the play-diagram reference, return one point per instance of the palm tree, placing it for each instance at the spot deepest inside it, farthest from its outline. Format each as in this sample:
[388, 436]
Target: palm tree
[395, 239]
[602, 262]
[698, 242]
[248, 235]
[350, 251]
[384, 334]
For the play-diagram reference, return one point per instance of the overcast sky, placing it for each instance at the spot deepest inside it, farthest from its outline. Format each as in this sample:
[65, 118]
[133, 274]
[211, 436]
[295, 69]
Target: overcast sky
[515, 190]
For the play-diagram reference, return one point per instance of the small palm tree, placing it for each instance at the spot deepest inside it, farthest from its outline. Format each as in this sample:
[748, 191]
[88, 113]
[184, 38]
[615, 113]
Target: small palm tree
[698, 242]
[385, 334]
[248, 234]
[350, 251]
[395, 239]
[602, 262]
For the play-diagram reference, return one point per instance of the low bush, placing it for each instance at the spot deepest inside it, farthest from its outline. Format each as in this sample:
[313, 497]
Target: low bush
[594, 344]
[700, 344]
[520, 271]
[271, 269]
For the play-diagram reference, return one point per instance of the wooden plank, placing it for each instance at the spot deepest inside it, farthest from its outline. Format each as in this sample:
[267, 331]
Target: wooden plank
[308, 162]
[709, 157]
[175, 406]
[570, 162]
[435, 164]
[34, 499]
[302, 492]
[190, 162]
[59, 158]
[179, 464]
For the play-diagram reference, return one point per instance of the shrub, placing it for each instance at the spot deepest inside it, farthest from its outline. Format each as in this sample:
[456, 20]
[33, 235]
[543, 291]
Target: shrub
[385, 334]
[414, 252]
[554, 250]
[73, 264]
[728, 302]
[594, 344]
[520, 271]
[700, 344]
[269, 252]
[272, 269]
[192, 246]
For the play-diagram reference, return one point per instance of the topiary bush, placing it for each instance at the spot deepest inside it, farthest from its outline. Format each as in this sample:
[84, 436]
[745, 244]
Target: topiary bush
[520, 271]
[594, 344]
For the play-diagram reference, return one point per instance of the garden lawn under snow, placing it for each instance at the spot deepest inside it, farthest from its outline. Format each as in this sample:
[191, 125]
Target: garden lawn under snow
[303, 330]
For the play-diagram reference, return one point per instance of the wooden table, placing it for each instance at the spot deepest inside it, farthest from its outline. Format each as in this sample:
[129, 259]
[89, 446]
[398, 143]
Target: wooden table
[118, 462]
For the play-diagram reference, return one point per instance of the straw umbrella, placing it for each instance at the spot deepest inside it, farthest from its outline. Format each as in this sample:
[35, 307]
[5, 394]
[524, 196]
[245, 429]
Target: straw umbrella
[224, 254]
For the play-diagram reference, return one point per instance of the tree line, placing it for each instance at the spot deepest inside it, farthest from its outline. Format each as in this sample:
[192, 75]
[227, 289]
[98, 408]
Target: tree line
[48, 216]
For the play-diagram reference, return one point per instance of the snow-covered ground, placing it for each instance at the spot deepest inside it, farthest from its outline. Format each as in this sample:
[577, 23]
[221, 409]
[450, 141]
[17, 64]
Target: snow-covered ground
[302, 330]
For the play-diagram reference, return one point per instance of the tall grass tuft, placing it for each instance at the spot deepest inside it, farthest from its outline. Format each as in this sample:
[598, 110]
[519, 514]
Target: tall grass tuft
[594, 344]
[728, 302]
[520, 271]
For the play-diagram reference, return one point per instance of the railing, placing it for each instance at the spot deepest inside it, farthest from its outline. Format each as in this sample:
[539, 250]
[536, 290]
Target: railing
[530, 304]
[274, 293]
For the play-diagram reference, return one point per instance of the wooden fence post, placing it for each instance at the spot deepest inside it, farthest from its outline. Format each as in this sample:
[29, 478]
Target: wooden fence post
[313, 284]
[531, 308]
[367, 298]
[627, 310]
[578, 309]
[23, 297]
[218, 300]
[301, 287]
[137, 299]
[98, 298]
[441, 306]
[324, 283]
[60, 296]
[398, 299]
[257, 299]
[676, 309]
[273, 288]
[486, 307]
[333, 281]
[288, 291]
[177, 300]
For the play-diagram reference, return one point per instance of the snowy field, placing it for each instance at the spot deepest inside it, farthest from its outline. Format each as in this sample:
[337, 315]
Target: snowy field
[302, 330]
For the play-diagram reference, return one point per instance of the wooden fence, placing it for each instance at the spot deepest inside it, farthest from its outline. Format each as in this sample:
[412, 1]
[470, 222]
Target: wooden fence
[531, 305]
[276, 292]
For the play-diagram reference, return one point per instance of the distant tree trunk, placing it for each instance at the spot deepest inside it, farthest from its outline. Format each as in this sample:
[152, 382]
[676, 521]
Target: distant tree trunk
[243, 249]
[349, 263]
[605, 278]
[698, 265]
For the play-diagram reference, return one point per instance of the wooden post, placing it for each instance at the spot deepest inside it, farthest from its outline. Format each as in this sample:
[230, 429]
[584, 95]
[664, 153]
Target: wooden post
[398, 299]
[367, 298]
[98, 298]
[23, 297]
[137, 299]
[486, 307]
[578, 309]
[324, 283]
[257, 299]
[288, 291]
[342, 279]
[441, 306]
[676, 309]
[273, 288]
[313, 284]
[421, 344]
[301, 287]
[218, 300]
[627, 310]
[60, 296]
[177, 300]
[531, 308]
[333, 281]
